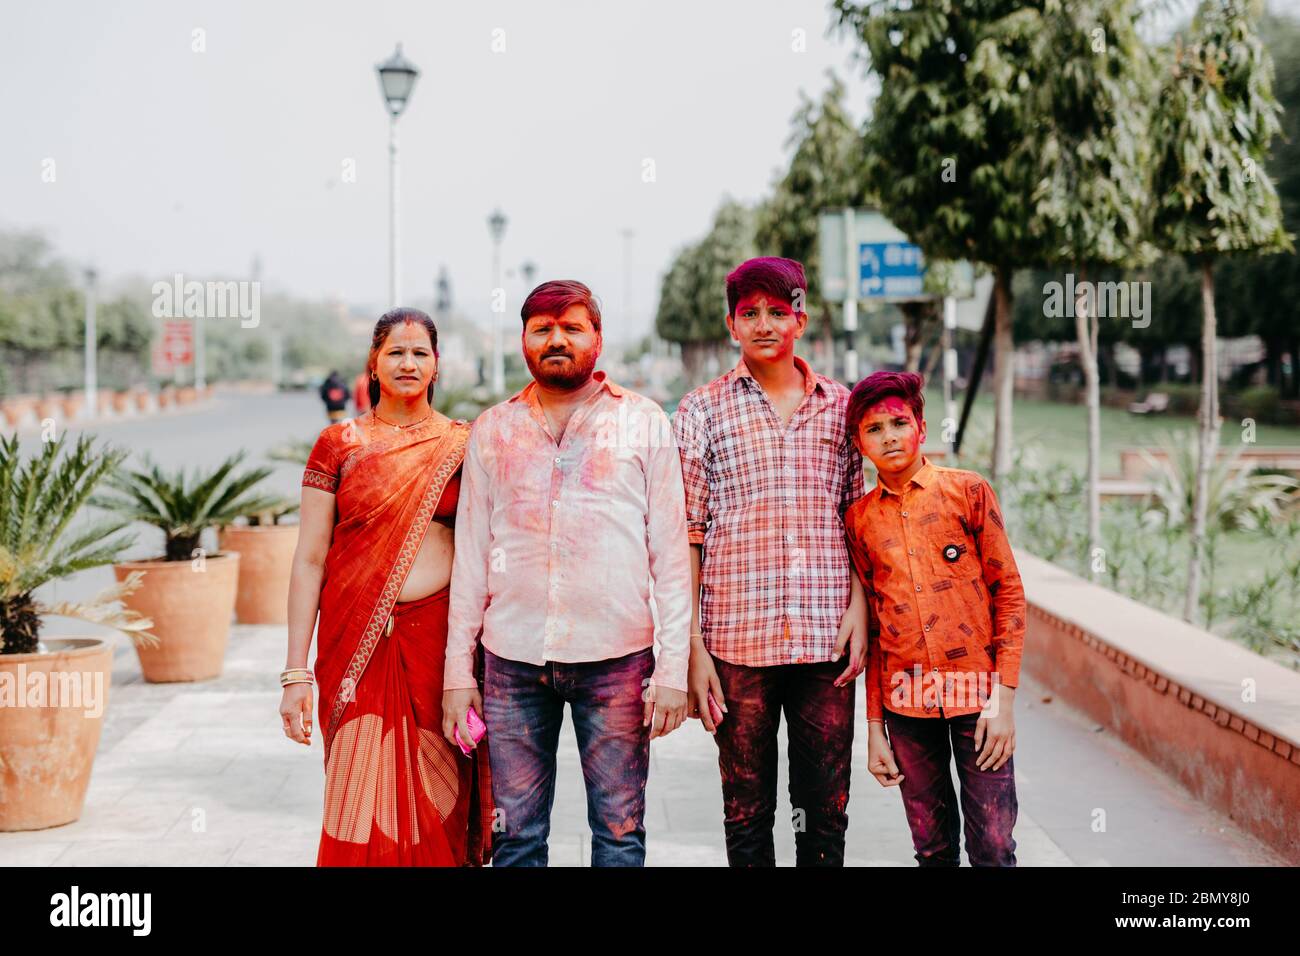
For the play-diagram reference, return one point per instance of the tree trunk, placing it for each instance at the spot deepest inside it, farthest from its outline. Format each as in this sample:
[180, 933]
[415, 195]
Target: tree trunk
[914, 320]
[1086, 329]
[1208, 445]
[1004, 375]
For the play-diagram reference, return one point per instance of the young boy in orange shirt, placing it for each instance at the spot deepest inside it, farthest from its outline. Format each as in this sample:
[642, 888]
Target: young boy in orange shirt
[948, 624]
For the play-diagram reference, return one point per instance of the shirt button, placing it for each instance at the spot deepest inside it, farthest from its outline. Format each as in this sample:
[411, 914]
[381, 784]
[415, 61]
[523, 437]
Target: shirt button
[904, 514]
[789, 537]
[910, 551]
[557, 461]
[918, 587]
[555, 504]
[927, 627]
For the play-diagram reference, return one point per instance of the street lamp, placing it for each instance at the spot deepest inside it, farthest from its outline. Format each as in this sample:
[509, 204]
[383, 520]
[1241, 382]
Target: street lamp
[92, 343]
[397, 77]
[497, 229]
[529, 269]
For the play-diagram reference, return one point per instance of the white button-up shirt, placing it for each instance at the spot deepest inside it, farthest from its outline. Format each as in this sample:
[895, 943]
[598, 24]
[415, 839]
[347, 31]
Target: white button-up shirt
[561, 547]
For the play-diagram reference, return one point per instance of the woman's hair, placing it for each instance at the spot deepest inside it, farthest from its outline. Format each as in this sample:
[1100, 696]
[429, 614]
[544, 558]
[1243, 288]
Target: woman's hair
[382, 328]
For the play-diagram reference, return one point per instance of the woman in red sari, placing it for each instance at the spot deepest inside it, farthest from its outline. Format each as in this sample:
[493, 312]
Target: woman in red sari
[374, 559]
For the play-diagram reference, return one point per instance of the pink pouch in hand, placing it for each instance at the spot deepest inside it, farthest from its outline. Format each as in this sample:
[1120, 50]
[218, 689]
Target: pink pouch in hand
[476, 730]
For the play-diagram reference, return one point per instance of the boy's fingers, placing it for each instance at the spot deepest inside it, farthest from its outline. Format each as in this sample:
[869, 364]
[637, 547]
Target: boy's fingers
[649, 712]
[715, 687]
[979, 732]
[995, 751]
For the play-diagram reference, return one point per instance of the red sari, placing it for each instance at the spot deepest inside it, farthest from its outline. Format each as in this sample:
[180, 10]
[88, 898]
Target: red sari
[396, 792]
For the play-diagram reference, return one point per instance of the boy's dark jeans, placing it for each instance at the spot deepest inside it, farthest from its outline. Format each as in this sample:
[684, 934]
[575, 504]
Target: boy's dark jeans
[923, 748]
[523, 707]
[820, 718]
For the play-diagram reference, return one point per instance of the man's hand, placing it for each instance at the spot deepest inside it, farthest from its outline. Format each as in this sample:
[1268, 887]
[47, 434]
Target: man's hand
[665, 708]
[702, 680]
[455, 704]
[880, 756]
[996, 729]
[853, 635]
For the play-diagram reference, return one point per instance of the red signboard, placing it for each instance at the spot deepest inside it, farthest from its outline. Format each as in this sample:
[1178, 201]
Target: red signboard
[178, 342]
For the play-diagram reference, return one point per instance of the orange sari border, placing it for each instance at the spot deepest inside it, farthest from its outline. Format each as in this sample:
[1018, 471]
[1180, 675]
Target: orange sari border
[451, 452]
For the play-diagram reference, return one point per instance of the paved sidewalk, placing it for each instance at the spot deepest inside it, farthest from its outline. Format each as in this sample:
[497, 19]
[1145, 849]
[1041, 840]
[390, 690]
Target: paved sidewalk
[200, 775]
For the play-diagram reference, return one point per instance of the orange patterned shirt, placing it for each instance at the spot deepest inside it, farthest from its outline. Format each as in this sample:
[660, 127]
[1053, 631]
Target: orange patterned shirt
[948, 608]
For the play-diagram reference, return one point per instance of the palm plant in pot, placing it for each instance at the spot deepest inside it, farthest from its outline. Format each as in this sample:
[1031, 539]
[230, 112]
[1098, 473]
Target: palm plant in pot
[188, 593]
[266, 543]
[53, 692]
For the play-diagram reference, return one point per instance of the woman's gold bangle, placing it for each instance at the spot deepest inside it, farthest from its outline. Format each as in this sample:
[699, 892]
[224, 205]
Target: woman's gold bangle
[296, 675]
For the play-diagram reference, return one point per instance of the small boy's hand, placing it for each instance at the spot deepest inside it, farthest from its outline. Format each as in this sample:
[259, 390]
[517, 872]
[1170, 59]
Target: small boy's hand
[995, 731]
[853, 634]
[880, 757]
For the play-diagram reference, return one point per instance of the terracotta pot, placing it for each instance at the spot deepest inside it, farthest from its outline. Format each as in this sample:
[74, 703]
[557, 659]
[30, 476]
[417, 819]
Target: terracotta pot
[121, 402]
[186, 395]
[164, 397]
[191, 615]
[16, 411]
[265, 562]
[49, 408]
[46, 752]
[70, 405]
[142, 400]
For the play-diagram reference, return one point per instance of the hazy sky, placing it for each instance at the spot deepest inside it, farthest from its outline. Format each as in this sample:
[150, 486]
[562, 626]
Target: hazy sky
[172, 160]
[167, 159]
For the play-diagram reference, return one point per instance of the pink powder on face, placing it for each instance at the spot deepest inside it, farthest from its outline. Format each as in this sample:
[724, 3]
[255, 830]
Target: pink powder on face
[893, 406]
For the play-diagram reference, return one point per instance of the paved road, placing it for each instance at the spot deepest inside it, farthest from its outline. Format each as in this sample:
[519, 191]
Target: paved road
[200, 774]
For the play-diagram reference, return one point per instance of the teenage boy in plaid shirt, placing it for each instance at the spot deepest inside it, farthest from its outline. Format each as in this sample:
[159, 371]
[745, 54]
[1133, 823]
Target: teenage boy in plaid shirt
[781, 622]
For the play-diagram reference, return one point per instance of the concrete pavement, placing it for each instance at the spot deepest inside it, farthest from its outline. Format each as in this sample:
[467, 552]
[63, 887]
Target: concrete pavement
[201, 775]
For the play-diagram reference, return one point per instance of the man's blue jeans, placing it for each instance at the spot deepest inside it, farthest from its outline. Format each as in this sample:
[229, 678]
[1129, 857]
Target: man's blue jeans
[523, 707]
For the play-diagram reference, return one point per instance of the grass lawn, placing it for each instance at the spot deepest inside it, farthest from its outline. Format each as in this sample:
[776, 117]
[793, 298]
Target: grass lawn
[1060, 434]
[1062, 430]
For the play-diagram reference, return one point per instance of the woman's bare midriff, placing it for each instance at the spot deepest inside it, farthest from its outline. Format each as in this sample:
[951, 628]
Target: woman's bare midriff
[431, 571]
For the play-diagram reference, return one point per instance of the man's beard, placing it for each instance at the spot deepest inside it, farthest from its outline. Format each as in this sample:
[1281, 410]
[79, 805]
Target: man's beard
[566, 377]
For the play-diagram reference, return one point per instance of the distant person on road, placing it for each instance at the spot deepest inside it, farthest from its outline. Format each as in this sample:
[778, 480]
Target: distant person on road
[949, 623]
[570, 513]
[781, 621]
[361, 392]
[374, 558]
[334, 393]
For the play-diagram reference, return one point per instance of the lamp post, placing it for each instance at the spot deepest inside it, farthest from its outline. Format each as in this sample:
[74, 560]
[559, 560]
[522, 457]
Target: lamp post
[529, 269]
[92, 343]
[397, 77]
[497, 229]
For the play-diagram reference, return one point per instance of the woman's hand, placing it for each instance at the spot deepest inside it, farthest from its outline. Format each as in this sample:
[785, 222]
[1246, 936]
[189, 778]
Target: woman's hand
[295, 712]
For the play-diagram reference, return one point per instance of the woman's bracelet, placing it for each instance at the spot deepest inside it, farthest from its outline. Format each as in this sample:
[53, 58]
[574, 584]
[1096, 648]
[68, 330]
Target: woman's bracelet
[296, 675]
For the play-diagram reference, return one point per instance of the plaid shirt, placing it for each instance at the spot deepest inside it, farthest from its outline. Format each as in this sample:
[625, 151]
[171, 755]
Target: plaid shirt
[767, 503]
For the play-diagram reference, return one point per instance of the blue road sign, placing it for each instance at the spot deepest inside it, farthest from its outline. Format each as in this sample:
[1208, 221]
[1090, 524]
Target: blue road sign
[887, 269]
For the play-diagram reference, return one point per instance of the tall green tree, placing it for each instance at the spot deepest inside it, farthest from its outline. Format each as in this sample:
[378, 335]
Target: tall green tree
[1093, 148]
[1260, 295]
[693, 294]
[1214, 119]
[824, 175]
[947, 144]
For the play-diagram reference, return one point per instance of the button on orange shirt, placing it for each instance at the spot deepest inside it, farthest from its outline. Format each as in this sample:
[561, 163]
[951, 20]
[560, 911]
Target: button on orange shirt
[948, 607]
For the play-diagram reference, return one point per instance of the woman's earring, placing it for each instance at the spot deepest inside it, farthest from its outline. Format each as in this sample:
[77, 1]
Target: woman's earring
[374, 377]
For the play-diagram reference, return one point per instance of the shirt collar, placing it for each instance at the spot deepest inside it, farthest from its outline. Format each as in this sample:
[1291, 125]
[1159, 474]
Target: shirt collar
[922, 479]
[810, 379]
